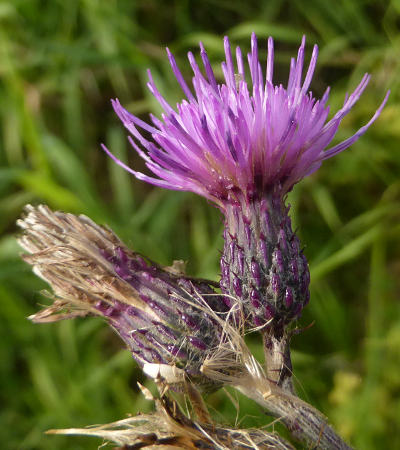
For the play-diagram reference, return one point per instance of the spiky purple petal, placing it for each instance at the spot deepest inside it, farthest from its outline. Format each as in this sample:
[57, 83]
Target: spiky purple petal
[229, 138]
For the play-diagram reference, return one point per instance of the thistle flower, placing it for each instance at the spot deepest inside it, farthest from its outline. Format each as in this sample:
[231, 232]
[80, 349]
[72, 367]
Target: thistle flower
[244, 146]
[227, 143]
[160, 315]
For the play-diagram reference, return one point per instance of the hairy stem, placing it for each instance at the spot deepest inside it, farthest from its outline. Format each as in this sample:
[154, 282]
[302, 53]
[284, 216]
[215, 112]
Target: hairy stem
[278, 360]
[304, 422]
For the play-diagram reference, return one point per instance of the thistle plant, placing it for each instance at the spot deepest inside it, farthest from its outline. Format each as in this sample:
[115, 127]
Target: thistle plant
[244, 147]
[242, 144]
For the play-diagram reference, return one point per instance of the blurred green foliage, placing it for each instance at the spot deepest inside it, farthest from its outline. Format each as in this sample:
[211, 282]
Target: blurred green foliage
[60, 63]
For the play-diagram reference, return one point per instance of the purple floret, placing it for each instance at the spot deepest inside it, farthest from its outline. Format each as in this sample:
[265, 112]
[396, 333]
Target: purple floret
[239, 139]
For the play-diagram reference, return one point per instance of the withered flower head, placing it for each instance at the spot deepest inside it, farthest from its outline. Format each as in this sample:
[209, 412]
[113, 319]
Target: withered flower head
[169, 428]
[161, 316]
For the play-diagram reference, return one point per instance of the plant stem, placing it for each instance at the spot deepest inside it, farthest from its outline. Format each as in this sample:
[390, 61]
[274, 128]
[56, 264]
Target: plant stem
[278, 360]
[304, 422]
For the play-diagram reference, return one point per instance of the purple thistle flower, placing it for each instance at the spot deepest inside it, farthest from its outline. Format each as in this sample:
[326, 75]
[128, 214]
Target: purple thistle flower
[228, 140]
[244, 147]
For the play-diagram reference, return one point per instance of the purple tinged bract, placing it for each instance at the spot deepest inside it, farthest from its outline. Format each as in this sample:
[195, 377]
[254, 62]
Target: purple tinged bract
[160, 314]
[235, 139]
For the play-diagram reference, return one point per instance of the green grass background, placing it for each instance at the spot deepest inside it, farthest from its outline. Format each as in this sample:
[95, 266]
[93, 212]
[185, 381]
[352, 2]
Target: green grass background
[60, 63]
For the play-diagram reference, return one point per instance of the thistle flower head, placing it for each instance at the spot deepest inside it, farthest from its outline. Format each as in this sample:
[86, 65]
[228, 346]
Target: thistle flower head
[162, 317]
[237, 139]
